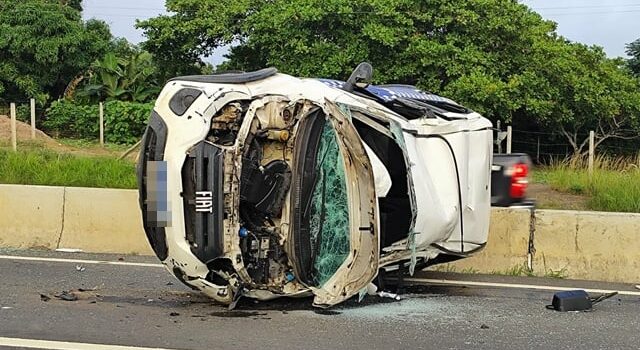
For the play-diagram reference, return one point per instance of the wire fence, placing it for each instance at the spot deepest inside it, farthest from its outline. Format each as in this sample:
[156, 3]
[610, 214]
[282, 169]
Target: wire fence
[23, 111]
[544, 147]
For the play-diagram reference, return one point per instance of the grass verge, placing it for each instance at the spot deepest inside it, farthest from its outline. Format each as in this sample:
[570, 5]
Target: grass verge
[614, 186]
[44, 167]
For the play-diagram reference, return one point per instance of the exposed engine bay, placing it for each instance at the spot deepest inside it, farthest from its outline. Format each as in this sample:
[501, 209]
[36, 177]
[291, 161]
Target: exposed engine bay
[265, 180]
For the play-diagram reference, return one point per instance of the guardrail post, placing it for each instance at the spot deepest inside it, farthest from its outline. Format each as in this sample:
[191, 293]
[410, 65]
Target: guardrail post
[14, 135]
[33, 119]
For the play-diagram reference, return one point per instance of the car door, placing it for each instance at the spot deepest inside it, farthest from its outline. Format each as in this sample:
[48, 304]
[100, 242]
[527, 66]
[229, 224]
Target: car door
[334, 239]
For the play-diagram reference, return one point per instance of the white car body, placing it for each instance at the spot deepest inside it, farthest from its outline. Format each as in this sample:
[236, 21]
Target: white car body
[253, 124]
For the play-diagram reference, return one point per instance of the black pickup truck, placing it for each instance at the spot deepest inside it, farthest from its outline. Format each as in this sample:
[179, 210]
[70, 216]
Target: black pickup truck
[509, 180]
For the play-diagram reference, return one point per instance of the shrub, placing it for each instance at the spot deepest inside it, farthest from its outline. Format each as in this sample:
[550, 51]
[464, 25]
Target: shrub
[124, 121]
[67, 119]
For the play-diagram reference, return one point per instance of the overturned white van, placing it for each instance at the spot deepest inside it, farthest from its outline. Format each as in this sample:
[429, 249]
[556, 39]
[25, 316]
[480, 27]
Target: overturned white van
[265, 185]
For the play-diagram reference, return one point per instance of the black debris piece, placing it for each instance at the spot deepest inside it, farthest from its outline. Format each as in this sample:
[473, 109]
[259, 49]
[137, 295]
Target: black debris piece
[67, 296]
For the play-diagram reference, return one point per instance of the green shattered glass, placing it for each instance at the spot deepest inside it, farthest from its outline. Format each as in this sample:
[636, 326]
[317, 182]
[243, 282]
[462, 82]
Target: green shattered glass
[329, 222]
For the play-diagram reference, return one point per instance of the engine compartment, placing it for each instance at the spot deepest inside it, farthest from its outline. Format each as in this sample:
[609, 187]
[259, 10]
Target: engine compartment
[265, 179]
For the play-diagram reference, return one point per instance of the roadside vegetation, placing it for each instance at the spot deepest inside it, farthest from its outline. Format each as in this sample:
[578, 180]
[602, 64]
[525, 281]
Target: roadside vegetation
[614, 186]
[515, 271]
[498, 57]
[45, 167]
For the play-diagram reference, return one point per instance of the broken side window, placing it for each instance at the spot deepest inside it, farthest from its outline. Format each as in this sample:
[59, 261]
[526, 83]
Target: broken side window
[329, 223]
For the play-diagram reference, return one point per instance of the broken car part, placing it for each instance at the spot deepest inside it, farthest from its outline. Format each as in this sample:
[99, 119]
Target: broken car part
[576, 300]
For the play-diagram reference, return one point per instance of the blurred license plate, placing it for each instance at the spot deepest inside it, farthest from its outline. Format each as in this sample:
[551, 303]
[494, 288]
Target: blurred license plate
[158, 205]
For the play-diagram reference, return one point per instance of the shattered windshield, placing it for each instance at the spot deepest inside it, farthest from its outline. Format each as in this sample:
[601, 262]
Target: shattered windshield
[329, 222]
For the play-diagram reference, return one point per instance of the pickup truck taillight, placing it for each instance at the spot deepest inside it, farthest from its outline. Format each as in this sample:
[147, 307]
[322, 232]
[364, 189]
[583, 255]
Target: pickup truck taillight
[519, 180]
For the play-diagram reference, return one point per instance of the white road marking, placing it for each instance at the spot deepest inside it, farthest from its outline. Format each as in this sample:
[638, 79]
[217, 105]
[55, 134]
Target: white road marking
[511, 285]
[416, 280]
[59, 345]
[77, 261]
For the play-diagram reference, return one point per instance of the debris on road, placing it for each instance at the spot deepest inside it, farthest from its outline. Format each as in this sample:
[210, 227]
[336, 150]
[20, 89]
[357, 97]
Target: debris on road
[393, 296]
[80, 268]
[44, 297]
[484, 326]
[68, 250]
[67, 296]
[174, 314]
[576, 300]
[637, 286]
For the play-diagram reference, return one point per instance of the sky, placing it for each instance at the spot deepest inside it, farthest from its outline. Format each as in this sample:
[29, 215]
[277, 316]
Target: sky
[608, 23]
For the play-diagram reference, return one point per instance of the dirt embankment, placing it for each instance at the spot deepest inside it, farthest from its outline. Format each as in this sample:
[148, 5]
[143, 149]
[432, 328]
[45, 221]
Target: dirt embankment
[23, 132]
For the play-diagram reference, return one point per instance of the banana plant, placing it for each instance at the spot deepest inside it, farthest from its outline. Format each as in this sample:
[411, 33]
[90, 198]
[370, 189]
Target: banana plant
[124, 79]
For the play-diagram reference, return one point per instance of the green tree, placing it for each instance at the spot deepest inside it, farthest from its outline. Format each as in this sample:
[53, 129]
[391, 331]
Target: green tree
[633, 50]
[43, 45]
[496, 56]
[76, 4]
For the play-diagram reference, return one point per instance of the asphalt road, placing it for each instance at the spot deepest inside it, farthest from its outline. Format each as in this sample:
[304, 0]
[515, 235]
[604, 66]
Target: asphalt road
[144, 306]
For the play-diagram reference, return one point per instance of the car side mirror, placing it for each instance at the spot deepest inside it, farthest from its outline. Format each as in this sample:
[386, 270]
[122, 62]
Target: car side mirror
[362, 73]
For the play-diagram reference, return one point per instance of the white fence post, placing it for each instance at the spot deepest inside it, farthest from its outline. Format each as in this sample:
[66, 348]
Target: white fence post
[33, 119]
[509, 138]
[591, 151]
[14, 135]
[101, 124]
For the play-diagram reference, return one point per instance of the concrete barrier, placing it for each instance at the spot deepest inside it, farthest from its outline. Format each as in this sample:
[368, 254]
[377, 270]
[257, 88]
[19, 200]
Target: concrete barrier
[573, 244]
[588, 245]
[93, 220]
[507, 245]
[103, 221]
[30, 216]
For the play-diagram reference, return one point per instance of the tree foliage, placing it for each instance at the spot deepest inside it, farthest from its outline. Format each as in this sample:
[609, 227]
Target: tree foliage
[43, 45]
[633, 50]
[125, 78]
[496, 56]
